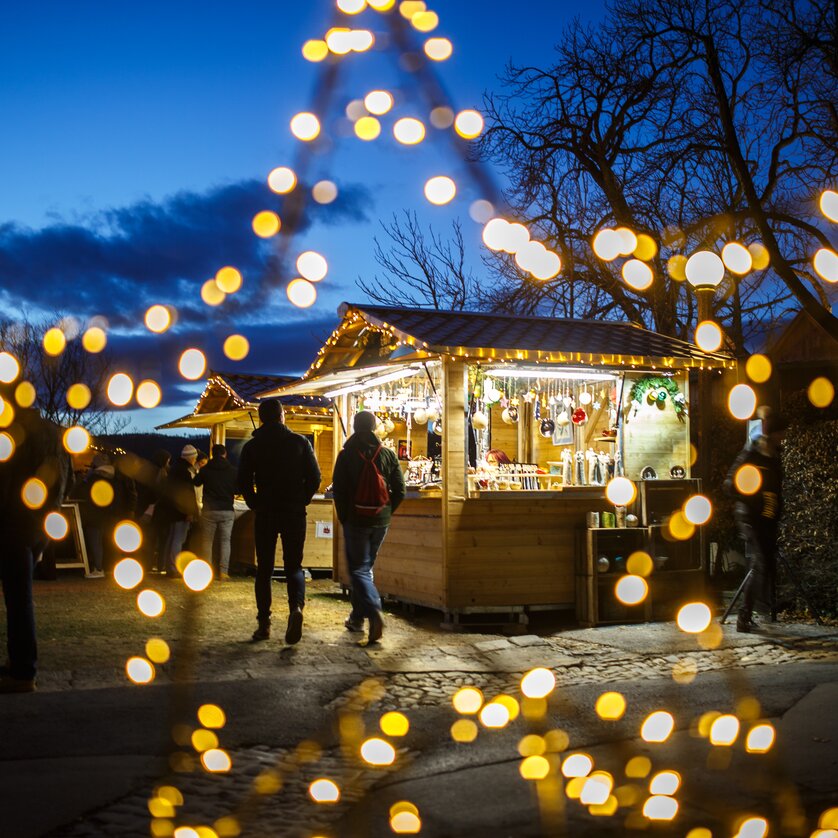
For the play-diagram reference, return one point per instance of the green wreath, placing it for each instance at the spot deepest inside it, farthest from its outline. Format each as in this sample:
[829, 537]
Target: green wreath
[662, 388]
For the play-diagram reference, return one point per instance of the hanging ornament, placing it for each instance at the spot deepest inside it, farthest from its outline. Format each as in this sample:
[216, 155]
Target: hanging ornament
[505, 417]
[585, 397]
[420, 416]
[563, 419]
[579, 416]
[480, 421]
[513, 413]
[432, 413]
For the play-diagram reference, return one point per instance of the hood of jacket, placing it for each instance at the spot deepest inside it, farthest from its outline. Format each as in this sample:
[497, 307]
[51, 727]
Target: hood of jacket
[364, 442]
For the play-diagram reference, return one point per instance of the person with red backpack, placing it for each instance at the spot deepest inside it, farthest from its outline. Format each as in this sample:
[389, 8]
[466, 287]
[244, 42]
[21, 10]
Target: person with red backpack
[368, 486]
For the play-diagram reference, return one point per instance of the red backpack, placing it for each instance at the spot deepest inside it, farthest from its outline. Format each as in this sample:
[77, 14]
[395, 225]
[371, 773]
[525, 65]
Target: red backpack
[372, 494]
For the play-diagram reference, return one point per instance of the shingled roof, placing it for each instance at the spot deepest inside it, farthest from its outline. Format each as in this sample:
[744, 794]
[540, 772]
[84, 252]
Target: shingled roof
[248, 387]
[451, 331]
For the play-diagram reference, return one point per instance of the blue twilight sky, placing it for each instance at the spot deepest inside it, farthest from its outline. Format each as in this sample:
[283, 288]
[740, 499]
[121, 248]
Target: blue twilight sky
[135, 145]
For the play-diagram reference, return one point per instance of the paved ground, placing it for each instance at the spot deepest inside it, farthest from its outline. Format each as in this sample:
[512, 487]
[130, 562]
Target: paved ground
[84, 755]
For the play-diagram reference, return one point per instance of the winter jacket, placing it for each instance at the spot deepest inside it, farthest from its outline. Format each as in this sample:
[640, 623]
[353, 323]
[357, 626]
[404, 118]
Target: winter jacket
[277, 469]
[103, 517]
[179, 502]
[219, 479]
[38, 453]
[347, 474]
[764, 507]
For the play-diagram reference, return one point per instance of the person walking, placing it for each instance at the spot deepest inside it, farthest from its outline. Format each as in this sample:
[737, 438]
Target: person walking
[368, 486]
[215, 526]
[278, 476]
[38, 454]
[180, 507]
[757, 515]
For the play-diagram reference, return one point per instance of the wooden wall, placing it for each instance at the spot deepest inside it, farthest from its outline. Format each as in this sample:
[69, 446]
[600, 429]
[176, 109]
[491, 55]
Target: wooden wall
[504, 436]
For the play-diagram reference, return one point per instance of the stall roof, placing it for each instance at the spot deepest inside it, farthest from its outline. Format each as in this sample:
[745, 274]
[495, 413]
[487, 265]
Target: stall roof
[232, 397]
[374, 335]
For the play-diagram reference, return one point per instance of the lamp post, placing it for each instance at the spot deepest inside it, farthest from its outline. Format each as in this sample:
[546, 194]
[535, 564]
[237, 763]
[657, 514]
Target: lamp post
[705, 270]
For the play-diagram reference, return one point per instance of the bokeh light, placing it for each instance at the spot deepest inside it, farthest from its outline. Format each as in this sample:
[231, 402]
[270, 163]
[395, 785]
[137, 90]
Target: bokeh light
[676, 267]
[34, 493]
[78, 396]
[532, 745]
[467, 700]
[638, 767]
[76, 439]
[212, 716]
[120, 389]
[631, 590]
[94, 340]
[409, 131]
[101, 493]
[698, 509]
[440, 190]
[620, 491]
[409, 8]
[324, 192]
[7, 447]
[211, 294]
[197, 575]
[708, 336]
[56, 526]
[312, 266]
[660, 808]
[442, 117]
[640, 563]
[628, 240]
[127, 536]
[54, 341]
[821, 392]
[236, 347]
[468, 124]
[534, 768]
[665, 782]
[737, 258]
[747, 479]
[7, 413]
[25, 394]
[752, 827]
[742, 401]
[266, 224]
[694, 617]
[438, 49]
[638, 275]
[192, 364]
[378, 102]
[315, 50]
[646, 249]
[596, 788]
[577, 765]
[377, 751]
[425, 21]
[826, 264]
[9, 368]
[494, 715]
[305, 126]
[228, 278]
[829, 204]
[704, 268]
[158, 318]
[150, 603]
[149, 394]
[758, 368]
[216, 761]
[538, 683]
[607, 244]
[367, 128]
[611, 706]
[759, 256]
[678, 527]
[128, 573]
[724, 730]
[657, 726]
[351, 7]
[140, 670]
[202, 740]
[324, 791]
[760, 738]
[301, 293]
[394, 724]
[464, 730]
[282, 179]
[405, 823]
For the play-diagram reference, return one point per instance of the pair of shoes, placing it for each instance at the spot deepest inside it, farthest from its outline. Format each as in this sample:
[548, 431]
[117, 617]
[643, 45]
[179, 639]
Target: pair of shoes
[376, 627]
[352, 625]
[223, 577]
[263, 631]
[295, 626]
[8, 685]
[95, 574]
[746, 624]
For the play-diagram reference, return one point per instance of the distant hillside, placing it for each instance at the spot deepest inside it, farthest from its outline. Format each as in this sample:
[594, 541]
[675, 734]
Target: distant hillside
[144, 445]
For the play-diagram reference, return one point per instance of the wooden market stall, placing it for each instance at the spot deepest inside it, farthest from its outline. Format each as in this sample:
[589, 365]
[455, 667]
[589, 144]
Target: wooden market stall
[228, 408]
[571, 404]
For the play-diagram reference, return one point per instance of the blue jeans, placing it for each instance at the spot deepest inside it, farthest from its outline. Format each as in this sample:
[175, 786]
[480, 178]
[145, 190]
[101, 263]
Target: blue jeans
[174, 544]
[16, 574]
[362, 545]
[215, 528]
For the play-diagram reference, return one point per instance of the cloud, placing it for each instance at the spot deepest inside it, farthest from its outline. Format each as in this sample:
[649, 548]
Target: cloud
[117, 261]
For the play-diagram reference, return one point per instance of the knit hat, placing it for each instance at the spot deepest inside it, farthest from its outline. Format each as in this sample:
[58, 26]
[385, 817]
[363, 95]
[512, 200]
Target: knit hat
[364, 421]
[188, 451]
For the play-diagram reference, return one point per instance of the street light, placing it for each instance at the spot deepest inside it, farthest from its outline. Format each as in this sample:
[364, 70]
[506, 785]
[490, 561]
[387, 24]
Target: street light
[704, 270]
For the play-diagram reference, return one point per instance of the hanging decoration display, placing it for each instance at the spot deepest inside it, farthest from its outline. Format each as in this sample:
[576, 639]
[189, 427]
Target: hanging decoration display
[656, 389]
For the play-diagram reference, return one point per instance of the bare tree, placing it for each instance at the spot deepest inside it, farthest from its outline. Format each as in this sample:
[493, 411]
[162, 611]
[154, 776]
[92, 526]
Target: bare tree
[422, 270]
[52, 376]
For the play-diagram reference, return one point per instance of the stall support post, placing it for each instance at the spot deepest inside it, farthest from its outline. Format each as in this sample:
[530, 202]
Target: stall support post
[340, 411]
[218, 434]
[454, 455]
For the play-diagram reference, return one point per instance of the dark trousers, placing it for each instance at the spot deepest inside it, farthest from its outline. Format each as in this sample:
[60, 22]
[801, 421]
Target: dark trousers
[16, 573]
[290, 526]
[762, 548]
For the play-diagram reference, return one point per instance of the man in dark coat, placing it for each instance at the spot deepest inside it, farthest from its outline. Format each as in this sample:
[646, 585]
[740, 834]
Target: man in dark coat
[215, 527]
[30, 448]
[278, 476]
[180, 506]
[364, 533]
[757, 515]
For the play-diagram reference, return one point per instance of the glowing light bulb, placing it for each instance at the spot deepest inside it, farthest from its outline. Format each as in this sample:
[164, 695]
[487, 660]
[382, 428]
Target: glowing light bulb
[324, 791]
[607, 244]
[638, 275]
[826, 264]
[628, 240]
[708, 336]
[737, 258]
[139, 670]
[657, 727]
[829, 204]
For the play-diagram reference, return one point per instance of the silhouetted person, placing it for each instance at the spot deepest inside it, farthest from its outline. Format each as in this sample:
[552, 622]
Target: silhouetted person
[757, 515]
[215, 526]
[38, 453]
[278, 476]
[365, 461]
[150, 508]
[180, 508]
